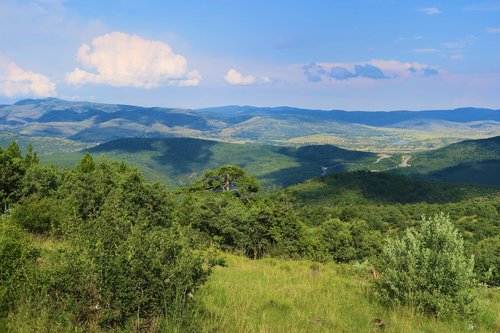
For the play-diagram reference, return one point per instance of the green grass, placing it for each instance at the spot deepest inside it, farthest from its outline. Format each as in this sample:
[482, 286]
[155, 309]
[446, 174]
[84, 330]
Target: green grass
[273, 295]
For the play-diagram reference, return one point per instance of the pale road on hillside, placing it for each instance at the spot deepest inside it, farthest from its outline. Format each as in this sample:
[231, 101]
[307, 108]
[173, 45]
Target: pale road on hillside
[381, 157]
[404, 161]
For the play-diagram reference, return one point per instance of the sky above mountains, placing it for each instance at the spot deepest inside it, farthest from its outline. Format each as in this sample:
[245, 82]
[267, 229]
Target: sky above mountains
[370, 55]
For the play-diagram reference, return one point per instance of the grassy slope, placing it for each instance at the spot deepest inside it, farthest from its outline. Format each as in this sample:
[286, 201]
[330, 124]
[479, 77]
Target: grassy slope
[42, 145]
[177, 161]
[272, 295]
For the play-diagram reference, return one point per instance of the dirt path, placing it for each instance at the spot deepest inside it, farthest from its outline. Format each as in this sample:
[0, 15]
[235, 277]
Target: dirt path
[381, 157]
[404, 161]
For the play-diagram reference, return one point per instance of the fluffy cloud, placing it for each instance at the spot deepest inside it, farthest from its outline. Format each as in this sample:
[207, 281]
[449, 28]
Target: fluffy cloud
[430, 10]
[374, 69]
[234, 77]
[15, 81]
[123, 60]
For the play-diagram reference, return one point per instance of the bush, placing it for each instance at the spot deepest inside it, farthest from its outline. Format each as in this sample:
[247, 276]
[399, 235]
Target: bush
[427, 269]
[39, 216]
[17, 257]
[487, 257]
[349, 241]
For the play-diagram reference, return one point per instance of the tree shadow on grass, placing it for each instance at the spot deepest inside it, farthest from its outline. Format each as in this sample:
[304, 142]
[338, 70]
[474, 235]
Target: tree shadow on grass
[180, 155]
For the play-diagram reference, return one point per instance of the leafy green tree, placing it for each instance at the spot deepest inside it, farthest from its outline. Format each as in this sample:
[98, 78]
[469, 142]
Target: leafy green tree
[42, 181]
[86, 164]
[221, 217]
[229, 178]
[427, 269]
[31, 157]
[349, 241]
[281, 232]
[12, 169]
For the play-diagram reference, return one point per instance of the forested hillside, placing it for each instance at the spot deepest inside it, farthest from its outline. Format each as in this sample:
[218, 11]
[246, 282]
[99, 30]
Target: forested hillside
[476, 161]
[179, 161]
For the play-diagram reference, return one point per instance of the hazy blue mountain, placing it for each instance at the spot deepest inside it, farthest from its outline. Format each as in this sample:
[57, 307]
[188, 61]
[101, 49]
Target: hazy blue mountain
[381, 130]
[371, 118]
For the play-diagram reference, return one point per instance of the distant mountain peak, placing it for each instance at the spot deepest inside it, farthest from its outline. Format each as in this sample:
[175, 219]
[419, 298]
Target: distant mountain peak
[29, 101]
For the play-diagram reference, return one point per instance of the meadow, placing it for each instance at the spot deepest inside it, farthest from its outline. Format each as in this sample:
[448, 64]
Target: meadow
[274, 295]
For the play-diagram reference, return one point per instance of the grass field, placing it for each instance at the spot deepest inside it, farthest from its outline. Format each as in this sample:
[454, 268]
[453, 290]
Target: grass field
[272, 295]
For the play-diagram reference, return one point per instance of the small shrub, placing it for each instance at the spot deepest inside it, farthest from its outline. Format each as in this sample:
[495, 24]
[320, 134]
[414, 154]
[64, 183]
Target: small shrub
[39, 216]
[427, 269]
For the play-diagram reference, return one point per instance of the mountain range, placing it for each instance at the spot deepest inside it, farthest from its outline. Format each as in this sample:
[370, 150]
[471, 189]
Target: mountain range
[361, 130]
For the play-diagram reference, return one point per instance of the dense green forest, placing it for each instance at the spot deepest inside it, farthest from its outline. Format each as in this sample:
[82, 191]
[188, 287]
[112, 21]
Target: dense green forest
[98, 248]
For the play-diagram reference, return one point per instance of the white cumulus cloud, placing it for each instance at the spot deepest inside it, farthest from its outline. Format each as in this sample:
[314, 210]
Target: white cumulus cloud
[430, 10]
[124, 60]
[234, 77]
[15, 81]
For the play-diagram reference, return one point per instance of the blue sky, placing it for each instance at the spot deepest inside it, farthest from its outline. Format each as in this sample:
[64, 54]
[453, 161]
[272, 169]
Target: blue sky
[354, 55]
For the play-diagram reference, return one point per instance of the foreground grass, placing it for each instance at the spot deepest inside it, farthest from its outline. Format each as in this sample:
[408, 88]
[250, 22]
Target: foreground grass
[272, 295]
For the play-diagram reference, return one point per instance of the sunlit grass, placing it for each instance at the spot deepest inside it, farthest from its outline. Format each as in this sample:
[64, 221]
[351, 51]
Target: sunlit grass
[274, 295]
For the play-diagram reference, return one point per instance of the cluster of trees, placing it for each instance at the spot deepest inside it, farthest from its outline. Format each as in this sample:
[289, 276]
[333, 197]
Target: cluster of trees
[97, 243]
[106, 247]
[389, 204]
[226, 210]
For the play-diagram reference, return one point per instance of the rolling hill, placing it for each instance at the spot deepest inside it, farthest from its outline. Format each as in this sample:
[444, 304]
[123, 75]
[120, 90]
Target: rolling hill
[370, 131]
[178, 161]
[471, 161]
[362, 187]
